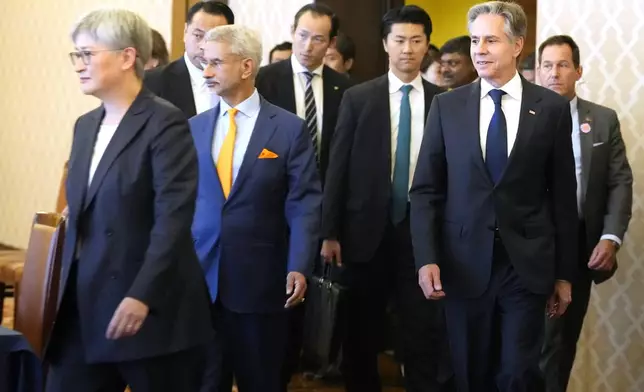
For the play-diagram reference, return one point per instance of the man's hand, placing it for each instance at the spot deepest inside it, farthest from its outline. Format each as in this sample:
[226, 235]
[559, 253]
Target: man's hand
[603, 256]
[560, 299]
[429, 279]
[296, 288]
[128, 319]
[331, 251]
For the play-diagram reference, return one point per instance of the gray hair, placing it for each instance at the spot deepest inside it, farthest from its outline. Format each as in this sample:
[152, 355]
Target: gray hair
[118, 29]
[516, 22]
[243, 41]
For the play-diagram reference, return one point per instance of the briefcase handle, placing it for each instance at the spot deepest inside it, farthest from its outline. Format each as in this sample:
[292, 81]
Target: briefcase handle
[326, 273]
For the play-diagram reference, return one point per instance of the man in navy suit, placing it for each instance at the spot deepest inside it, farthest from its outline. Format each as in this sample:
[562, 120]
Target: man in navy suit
[493, 210]
[256, 223]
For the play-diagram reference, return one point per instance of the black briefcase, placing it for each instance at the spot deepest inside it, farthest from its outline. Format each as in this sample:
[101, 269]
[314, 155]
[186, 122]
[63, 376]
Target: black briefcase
[324, 328]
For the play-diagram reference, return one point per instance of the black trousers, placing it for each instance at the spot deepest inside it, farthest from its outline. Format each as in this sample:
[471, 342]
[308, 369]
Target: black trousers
[249, 348]
[562, 334]
[496, 339]
[422, 347]
[69, 371]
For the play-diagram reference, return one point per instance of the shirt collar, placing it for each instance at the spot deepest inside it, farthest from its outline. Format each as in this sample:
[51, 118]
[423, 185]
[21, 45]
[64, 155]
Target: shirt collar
[299, 68]
[249, 107]
[196, 75]
[395, 84]
[513, 88]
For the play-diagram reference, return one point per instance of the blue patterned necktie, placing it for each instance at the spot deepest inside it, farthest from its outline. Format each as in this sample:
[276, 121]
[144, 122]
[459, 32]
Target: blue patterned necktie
[400, 183]
[496, 147]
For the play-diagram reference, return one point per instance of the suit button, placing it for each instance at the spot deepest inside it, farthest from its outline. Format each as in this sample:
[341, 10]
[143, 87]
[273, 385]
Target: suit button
[109, 233]
[113, 277]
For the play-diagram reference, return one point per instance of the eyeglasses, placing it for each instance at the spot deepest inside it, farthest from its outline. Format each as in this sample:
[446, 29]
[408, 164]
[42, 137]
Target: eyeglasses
[86, 55]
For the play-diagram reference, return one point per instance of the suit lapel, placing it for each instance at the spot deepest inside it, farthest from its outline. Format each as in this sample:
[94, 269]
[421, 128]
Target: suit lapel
[428, 99]
[78, 175]
[472, 120]
[262, 133]
[330, 104]
[586, 141]
[182, 87]
[131, 124]
[208, 138]
[286, 88]
[381, 118]
[527, 120]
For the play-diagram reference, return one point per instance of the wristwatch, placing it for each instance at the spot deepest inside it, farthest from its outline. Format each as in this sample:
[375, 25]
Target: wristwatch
[617, 245]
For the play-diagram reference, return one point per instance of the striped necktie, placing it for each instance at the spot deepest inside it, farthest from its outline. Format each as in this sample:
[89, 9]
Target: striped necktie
[311, 116]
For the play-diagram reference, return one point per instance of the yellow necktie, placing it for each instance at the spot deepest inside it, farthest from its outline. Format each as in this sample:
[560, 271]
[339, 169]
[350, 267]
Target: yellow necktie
[225, 160]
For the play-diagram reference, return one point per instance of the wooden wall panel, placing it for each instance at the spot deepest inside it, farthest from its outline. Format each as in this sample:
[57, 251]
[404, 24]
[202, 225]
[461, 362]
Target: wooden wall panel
[360, 19]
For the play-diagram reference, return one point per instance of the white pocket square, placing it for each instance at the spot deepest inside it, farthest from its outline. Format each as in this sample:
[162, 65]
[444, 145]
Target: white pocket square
[597, 144]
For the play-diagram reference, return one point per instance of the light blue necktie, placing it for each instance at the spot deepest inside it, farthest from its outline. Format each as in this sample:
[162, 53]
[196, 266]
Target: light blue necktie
[400, 183]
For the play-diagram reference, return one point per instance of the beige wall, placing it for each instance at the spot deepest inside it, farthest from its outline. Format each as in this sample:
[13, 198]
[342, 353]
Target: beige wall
[611, 37]
[40, 100]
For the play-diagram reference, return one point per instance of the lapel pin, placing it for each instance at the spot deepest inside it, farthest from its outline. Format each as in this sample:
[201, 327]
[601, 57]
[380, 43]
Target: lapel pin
[336, 87]
[585, 127]
[532, 112]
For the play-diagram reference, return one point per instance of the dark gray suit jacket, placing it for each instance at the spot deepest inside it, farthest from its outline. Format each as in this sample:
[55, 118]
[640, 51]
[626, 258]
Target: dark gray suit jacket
[607, 179]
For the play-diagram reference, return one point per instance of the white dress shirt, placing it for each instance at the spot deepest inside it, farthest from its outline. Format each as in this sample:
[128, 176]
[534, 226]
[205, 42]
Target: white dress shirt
[511, 105]
[105, 134]
[576, 149]
[299, 83]
[417, 102]
[204, 98]
[245, 120]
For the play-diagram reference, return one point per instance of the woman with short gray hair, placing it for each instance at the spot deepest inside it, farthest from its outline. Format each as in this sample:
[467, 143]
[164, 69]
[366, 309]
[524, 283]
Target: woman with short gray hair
[134, 307]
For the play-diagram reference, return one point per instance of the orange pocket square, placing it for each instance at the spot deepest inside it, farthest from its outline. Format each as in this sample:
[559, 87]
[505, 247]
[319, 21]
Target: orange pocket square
[267, 154]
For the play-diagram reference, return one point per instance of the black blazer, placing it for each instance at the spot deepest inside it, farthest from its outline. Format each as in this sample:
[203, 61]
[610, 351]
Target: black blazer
[455, 207]
[133, 227]
[172, 83]
[357, 194]
[607, 179]
[275, 83]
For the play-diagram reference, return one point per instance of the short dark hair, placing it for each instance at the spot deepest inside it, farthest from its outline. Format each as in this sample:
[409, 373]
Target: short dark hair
[460, 45]
[212, 8]
[433, 48]
[319, 9]
[345, 46]
[159, 48]
[412, 14]
[279, 47]
[562, 40]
